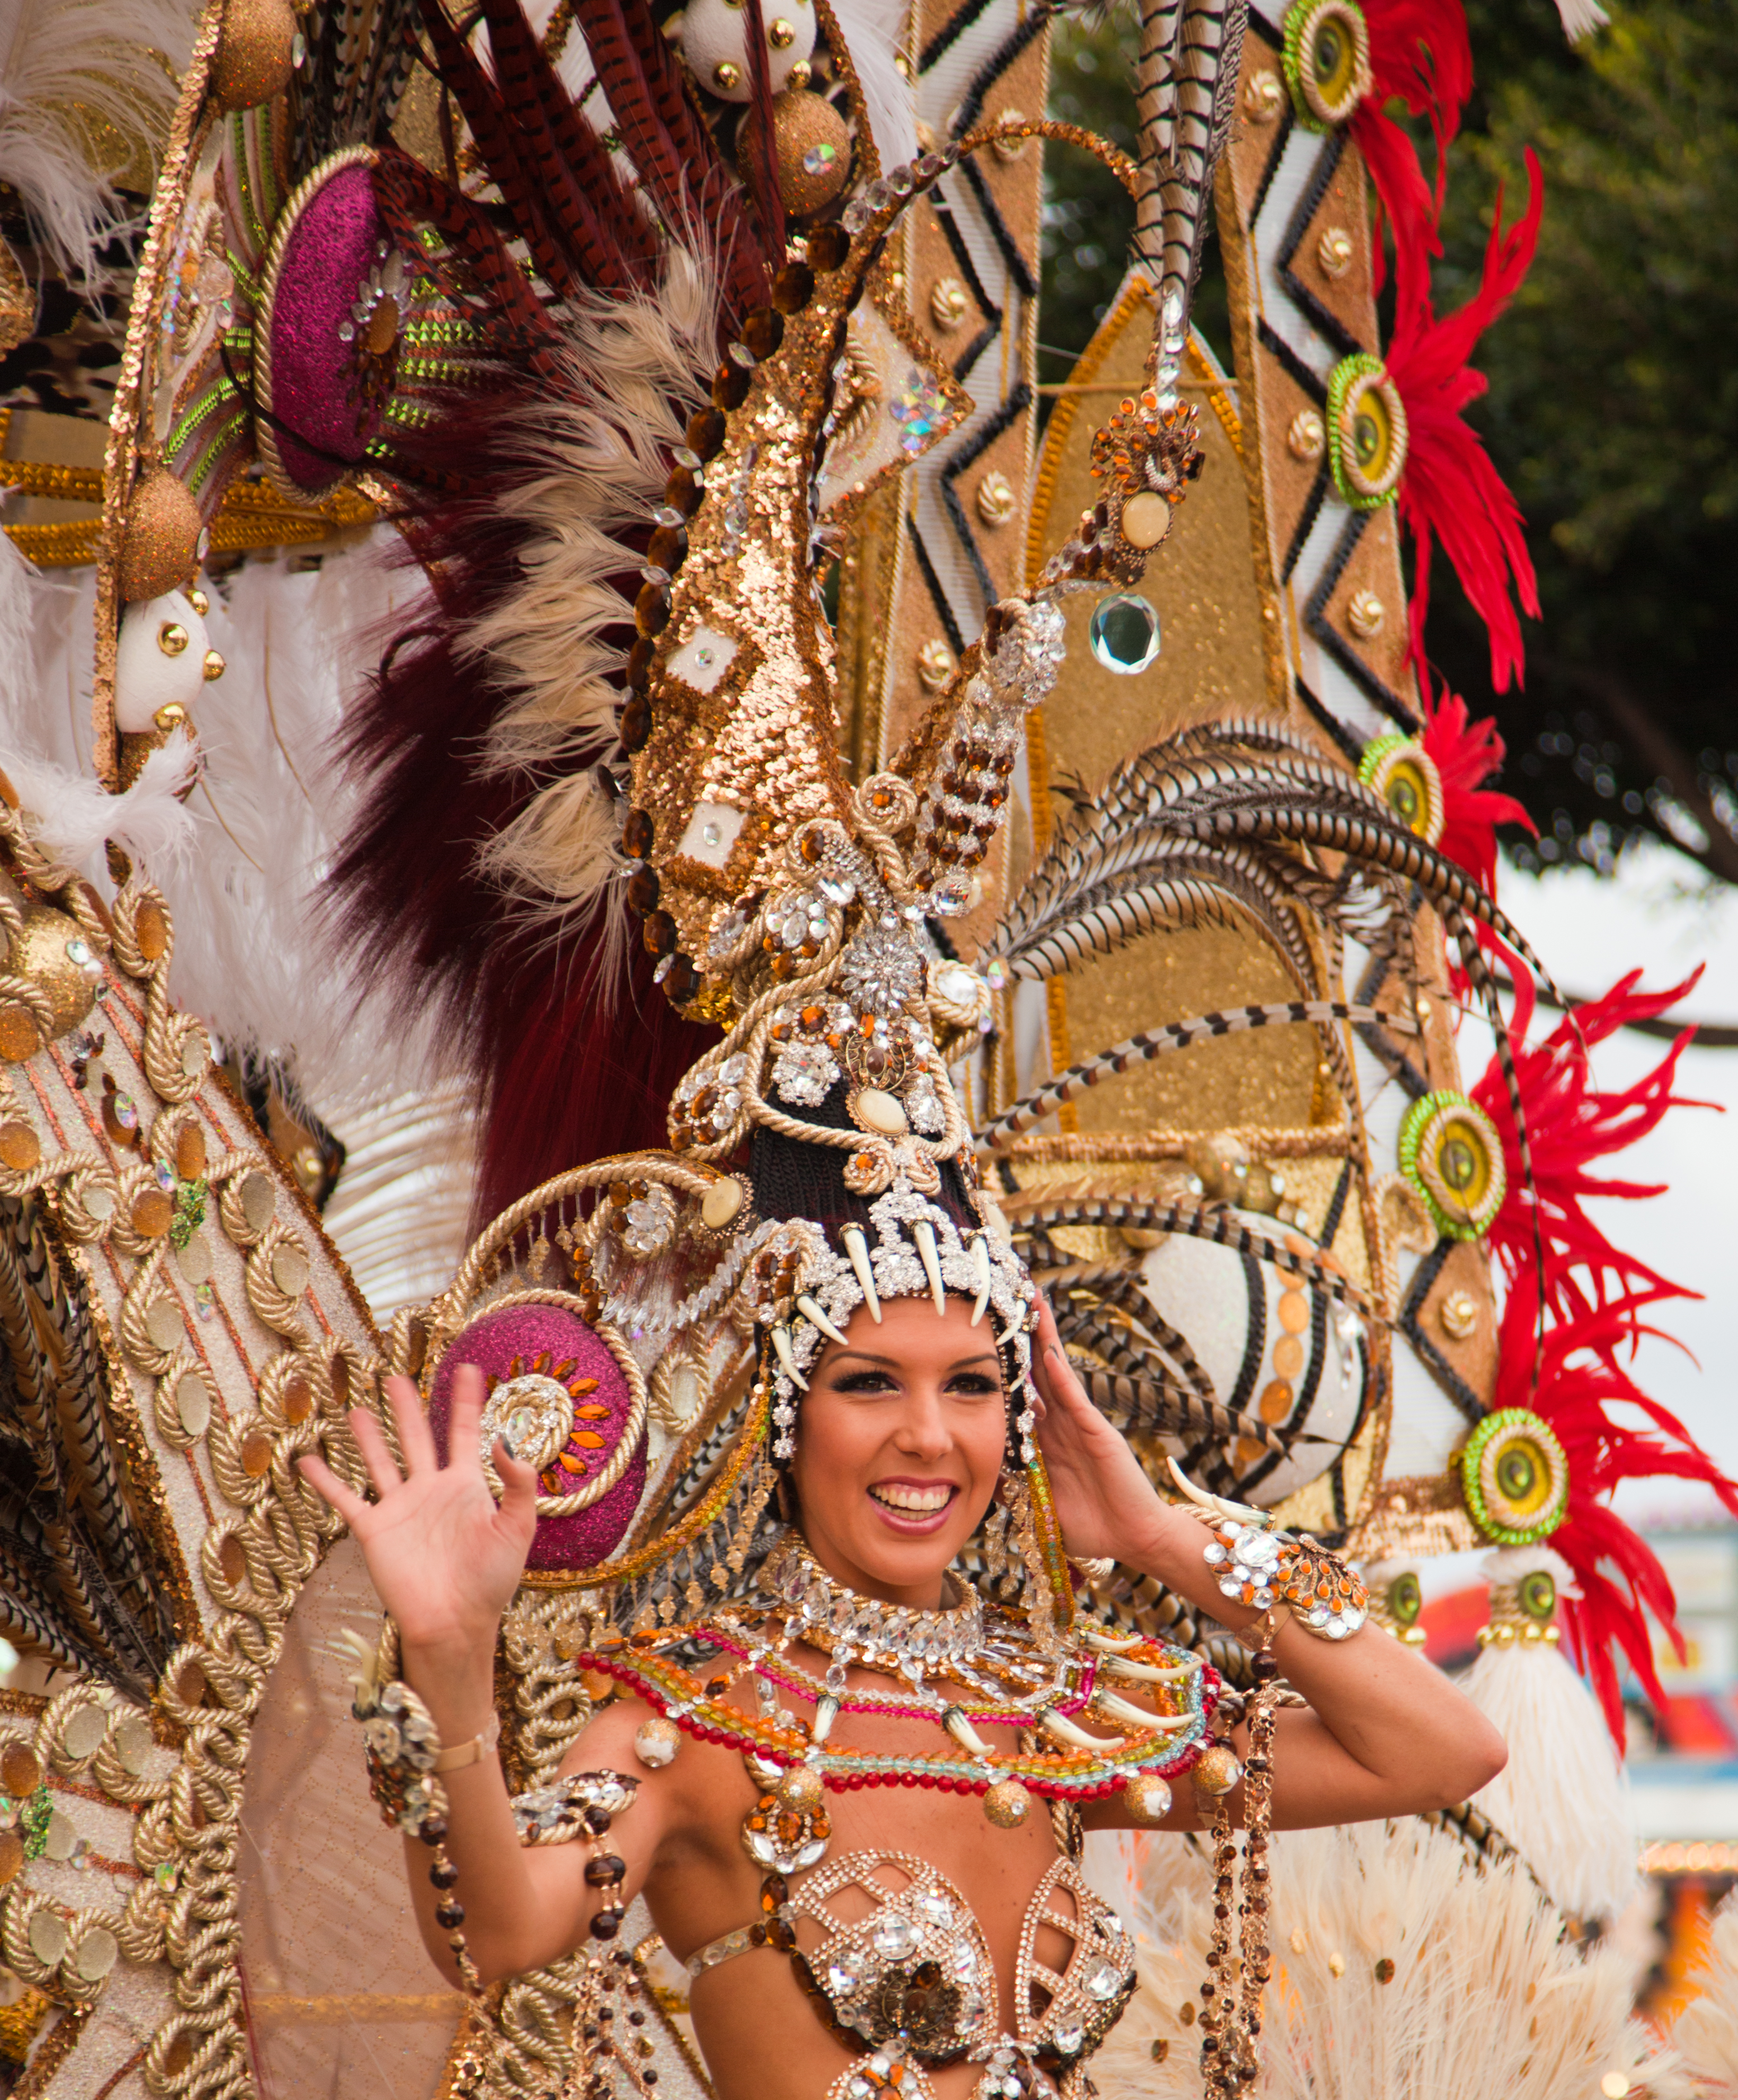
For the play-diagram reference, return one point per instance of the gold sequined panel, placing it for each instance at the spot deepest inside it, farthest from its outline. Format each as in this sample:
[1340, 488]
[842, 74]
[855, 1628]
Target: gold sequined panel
[1213, 664]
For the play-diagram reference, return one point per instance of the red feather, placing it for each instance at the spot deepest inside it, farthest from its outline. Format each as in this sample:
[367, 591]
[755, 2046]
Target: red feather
[1419, 56]
[1465, 754]
[1450, 493]
[1594, 1299]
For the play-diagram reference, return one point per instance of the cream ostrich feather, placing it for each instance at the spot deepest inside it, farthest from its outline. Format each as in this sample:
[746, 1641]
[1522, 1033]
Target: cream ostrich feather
[1706, 2033]
[606, 465]
[87, 88]
[1484, 1993]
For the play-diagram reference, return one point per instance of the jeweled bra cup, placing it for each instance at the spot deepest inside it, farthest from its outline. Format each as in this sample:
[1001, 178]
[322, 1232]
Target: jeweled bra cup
[912, 1979]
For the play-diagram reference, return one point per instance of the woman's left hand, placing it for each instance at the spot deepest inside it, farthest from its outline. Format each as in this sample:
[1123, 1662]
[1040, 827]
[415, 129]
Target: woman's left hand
[1104, 1502]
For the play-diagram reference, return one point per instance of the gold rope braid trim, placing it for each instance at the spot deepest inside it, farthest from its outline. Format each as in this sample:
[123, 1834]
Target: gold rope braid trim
[706, 1512]
[633, 1429]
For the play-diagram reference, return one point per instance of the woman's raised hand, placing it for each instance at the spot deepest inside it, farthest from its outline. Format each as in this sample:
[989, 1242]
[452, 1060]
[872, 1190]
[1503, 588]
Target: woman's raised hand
[1105, 1503]
[444, 1556]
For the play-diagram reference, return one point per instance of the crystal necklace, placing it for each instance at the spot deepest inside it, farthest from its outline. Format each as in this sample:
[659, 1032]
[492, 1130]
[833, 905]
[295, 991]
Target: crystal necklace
[818, 1609]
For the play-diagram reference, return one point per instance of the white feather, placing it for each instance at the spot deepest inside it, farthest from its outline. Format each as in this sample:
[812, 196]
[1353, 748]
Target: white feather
[1485, 1995]
[1580, 18]
[1706, 2033]
[399, 1211]
[873, 30]
[1563, 1800]
[78, 79]
[71, 816]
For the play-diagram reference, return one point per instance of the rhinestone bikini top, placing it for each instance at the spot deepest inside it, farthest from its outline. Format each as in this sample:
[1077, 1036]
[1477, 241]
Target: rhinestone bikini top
[913, 1979]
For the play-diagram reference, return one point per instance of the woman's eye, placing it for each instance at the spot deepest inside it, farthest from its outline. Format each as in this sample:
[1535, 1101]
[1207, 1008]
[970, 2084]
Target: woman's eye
[863, 1382]
[972, 1383]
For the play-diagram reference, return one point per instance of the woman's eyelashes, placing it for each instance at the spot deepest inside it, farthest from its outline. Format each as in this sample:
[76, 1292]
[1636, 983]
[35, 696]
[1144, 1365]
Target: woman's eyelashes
[970, 1384]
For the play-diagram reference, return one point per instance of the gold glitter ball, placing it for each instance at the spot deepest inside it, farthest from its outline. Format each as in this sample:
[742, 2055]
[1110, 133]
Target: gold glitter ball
[1216, 1771]
[254, 57]
[160, 542]
[1007, 1804]
[811, 148]
[656, 1741]
[801, 1790]
[1147, 1798]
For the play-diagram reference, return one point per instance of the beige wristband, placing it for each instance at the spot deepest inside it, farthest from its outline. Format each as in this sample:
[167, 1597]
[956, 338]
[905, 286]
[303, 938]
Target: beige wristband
[472, 1753]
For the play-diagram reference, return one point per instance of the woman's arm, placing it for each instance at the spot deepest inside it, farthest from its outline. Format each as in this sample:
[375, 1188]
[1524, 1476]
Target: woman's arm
[446, 1560]
[1387, 1733]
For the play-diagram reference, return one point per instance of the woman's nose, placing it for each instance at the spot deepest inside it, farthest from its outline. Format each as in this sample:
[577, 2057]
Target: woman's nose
[922, 1431]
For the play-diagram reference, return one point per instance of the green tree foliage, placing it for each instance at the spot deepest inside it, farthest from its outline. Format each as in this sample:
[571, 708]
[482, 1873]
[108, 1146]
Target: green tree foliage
[1613, 414]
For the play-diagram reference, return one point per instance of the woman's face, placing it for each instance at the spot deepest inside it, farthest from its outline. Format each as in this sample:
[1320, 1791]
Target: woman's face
[899, 1443]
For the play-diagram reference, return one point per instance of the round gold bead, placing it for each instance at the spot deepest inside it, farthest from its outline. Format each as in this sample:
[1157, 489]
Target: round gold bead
[780, 33]
[1146, 1797]
[1007, 1804]
[726, 74]
[213, 666]
[801, 1790]
[172, 639]
[656, 1741]
[159, 541]
[1216, 1771]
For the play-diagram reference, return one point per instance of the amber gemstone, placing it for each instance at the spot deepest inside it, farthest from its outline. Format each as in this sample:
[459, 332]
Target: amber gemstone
[636, 834]
[642, 890]
[660, 933]
[635, 727]
[730, 384]
[451, 1913]
[682, 981]
[706, 432]
[763, 331]
[828, 246]
[601, 1872]
[651, 609]
[641, 659]
[683, 492]
[604, 1926]
[793, 288]
[668, 548]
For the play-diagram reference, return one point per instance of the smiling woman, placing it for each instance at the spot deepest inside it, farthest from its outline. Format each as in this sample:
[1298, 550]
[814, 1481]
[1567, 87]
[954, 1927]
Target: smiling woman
[911, 1627]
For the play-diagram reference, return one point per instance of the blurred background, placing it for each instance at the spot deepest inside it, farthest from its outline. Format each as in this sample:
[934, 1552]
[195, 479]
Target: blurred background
[1612, 413]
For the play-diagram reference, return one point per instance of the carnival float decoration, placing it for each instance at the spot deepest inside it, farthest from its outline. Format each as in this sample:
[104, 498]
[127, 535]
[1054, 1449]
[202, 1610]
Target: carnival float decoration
[577, 643]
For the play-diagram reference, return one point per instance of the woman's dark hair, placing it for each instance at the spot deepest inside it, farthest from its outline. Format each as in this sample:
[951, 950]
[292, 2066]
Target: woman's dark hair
[794, 1179]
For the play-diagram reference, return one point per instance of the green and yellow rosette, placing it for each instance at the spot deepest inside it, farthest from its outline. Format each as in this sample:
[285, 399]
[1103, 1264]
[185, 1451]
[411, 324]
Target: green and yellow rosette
[1403, 772]
[1514, 1476]
[1450, 1153]
[1326, 61]
[1367, 422]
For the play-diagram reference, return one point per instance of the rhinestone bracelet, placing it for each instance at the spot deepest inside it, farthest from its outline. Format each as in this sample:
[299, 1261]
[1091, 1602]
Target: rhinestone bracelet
[1275, 1571]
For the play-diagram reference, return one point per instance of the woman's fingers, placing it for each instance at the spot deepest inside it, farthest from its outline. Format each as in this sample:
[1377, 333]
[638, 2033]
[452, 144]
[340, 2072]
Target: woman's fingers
[518, 1503]
[377, 1455]
[464, 1447]
[319, 1475]
[415, 1440]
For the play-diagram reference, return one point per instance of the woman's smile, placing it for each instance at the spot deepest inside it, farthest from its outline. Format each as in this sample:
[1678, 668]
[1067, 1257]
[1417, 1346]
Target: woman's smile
[913, 1506]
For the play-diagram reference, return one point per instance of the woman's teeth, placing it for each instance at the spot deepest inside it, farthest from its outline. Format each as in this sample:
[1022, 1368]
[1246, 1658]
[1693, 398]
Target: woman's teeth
[920, 1502]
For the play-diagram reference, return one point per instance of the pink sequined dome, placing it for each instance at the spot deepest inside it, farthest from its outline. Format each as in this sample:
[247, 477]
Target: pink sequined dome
[550, 1343]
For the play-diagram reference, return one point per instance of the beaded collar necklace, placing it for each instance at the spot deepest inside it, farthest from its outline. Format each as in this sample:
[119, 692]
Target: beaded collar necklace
[1095, 1740]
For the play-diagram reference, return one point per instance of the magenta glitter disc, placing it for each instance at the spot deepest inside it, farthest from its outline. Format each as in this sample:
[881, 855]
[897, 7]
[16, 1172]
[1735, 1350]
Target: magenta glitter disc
[557, 1344]
[322, 415]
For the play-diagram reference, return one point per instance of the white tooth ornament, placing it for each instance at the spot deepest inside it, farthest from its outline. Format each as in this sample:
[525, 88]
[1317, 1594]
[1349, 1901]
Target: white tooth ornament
[1065, 1731]
[1108, 1644]
[782, 1351]
[923, 1233]
[816, 1317]
[1144, 1673]
[964, 1733]
[1239, 1513]
[981, 1264]
[858, 1248]
[1122, 1710]
[826, 1713]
